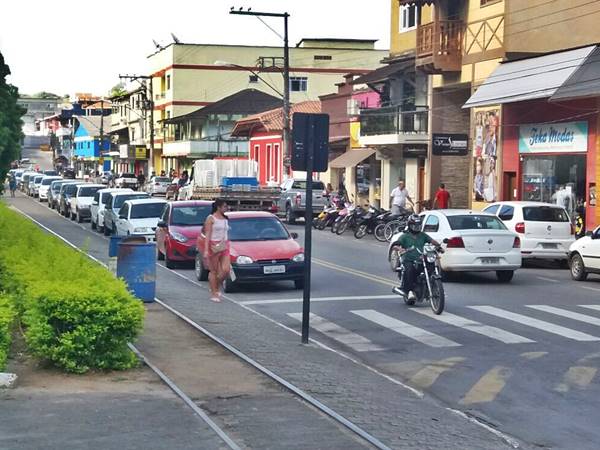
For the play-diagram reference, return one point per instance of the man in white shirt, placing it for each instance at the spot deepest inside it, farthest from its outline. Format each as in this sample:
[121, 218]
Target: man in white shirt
[399, 197]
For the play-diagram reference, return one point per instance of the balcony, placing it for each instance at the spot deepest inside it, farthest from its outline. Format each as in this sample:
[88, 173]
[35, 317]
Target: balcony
[390, 125]
[439, 46]
[203, 148]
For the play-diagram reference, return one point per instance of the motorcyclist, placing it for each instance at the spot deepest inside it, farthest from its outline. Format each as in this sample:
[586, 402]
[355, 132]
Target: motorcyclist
[410, 241]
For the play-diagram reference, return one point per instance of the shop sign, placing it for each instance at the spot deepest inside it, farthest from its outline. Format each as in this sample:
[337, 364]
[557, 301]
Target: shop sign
[123, 150]
[141, 153]
[553, 137]
[450, 144]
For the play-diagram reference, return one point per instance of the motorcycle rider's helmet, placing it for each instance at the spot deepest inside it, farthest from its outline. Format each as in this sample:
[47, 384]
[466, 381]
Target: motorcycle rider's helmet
[413, 224]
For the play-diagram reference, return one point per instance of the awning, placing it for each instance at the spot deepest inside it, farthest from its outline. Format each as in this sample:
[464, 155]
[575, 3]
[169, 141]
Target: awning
[351, 158]
[541, 77]
[383, 73]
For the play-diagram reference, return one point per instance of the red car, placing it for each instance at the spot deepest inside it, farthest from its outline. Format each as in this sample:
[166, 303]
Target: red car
[262, 250]
[178, 230]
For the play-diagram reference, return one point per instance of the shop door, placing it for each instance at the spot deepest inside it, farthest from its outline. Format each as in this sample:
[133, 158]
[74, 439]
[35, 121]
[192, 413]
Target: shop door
[510, 186]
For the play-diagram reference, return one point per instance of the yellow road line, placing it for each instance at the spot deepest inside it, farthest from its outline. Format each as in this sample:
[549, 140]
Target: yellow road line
[488, 386]
[358, 273]
[576, 377]
[533, 355]
[429, 374]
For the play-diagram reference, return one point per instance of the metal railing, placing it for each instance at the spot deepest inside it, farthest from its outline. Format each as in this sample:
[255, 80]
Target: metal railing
[392, 120]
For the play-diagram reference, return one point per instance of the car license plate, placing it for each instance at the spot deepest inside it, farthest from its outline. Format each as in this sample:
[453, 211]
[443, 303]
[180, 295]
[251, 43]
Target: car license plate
[545, 245]
[273, 269]
[490, 260]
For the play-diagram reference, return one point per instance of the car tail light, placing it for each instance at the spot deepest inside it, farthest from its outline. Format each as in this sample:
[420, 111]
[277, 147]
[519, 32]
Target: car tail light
[520, 227]
[517, 243]
[572, 230]
[298, 199]
[455, 242]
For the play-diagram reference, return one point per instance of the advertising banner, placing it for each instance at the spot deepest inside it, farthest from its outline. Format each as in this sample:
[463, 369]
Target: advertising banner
[553, 137]
[486, 155]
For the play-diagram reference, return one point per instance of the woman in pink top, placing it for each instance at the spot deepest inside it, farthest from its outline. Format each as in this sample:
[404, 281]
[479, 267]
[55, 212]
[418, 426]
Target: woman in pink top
[216, 251]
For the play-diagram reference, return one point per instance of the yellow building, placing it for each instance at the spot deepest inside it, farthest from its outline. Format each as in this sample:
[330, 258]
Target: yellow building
[190, 76]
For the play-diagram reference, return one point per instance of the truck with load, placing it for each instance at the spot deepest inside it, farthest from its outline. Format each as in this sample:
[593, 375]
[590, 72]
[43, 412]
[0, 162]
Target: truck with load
[233, 180]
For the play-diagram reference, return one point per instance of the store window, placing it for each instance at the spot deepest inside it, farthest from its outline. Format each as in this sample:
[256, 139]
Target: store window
[363, 179]
[558, 179]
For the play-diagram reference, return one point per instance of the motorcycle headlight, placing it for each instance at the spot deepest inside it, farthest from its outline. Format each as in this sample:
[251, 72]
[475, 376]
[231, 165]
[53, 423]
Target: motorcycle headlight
[178, 237]
[431, 257]
[298, 258]
[142, 230]
[242, 260]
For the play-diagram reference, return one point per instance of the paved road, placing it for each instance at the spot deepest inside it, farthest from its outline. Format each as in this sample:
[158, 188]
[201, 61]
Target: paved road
[522, 357]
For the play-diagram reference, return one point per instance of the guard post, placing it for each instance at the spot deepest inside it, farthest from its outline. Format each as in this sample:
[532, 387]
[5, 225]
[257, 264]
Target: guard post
[310, 136]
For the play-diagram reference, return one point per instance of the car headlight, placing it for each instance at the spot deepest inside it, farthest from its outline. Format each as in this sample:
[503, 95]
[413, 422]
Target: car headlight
[178, 237]
[142, 230]
[241, 260]
[298, 258]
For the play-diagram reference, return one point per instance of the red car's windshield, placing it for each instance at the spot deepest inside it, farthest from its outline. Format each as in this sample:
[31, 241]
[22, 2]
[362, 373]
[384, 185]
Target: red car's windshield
[257, 229]
[190, 215]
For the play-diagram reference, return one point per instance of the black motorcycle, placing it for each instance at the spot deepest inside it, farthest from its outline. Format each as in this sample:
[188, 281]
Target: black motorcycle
[350, 221]
[367, 223]
[428, 285]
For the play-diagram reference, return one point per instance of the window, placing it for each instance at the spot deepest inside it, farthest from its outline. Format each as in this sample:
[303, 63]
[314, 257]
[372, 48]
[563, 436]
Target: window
[432, 224]
[124, 211]
[168, 82]
[506, 212]
[545, 214]
[147, 210]
[491, 209]
[298, 84]
[257, 229]
[408, 17]
[487, 2]
[301, 184]
[190, 215]
[323, 57]
[132, 134]
[253, 79]
[475, 222]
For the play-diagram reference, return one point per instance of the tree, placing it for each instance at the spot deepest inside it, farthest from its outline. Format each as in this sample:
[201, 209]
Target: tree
[10, 122]
[117, 90]
[46, 95]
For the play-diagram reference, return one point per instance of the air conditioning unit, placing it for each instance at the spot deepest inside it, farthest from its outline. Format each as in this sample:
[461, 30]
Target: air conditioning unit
[352, 107]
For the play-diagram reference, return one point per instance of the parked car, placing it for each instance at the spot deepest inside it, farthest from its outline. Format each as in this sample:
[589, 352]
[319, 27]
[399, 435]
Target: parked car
[172, 190]
[158, 185]
[178, 230]
[69, 172]
[545, 229]
[54, 192]
[584, 255]
[106, 177]
[18, 175]
[67, 191]
[139, 217]
[81, 202]
[126, 180]
[45, 186]
[101, 197]
[262, 250]
[24, 186]
[474, 242]
[50, 172]
[111, 209]
[34, 184]
[292, 202]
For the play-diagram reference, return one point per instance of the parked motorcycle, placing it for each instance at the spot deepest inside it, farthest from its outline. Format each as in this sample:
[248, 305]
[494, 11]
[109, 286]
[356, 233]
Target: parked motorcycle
[428, 285]
[367, 223]
[341, 215]
[351, 220]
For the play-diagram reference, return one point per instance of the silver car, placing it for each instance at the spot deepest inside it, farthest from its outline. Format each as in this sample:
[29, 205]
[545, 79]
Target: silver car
[158, 185]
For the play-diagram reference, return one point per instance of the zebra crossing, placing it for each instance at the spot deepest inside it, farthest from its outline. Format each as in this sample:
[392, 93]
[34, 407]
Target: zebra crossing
[531, 329]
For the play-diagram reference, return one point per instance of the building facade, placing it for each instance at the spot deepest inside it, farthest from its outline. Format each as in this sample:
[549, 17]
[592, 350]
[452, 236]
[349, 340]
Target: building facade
[90, 142]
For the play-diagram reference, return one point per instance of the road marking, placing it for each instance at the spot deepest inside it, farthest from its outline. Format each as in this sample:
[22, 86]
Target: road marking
[533, 355]
[487, 387]
[576, 377]
[408, 330]
[476, 327]
[552, 280]
[358, 273]
[590, 288]
[429, 374]
[536, 323]
[568, 314]
[354, 341]
[319, 299]
[593, 307]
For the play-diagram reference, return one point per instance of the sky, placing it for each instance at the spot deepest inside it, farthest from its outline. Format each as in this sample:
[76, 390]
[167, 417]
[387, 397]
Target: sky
[67, 46]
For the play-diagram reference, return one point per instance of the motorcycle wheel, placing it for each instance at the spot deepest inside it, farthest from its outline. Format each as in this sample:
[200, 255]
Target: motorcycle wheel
[437, 299]
[360, 231]
[335, 226]
[343, 226]
[379, 232]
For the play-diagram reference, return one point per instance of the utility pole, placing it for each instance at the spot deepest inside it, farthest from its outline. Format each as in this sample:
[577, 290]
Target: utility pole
[287, 148]
[101, 131]
[148, 106]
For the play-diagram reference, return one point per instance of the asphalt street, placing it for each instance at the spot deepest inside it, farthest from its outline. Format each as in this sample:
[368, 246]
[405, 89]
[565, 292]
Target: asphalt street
[522, 357]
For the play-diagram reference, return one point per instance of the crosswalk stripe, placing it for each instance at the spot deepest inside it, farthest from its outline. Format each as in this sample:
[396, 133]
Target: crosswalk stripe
[578, 377]
[340, 334]
[429, 374]
[406, 329]
[476, 327]
[594, 307]
[487, 387]
[568, 314]
[536, 323]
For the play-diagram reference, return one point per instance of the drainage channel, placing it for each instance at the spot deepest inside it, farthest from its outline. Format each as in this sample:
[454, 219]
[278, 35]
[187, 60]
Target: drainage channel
[324, 409]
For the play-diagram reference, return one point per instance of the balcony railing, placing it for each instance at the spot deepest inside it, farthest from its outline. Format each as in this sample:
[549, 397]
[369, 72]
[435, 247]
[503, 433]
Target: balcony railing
[439, 46]
[392, 120]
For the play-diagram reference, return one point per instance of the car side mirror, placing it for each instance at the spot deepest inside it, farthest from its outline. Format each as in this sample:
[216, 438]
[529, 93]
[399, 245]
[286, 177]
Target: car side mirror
[445, 241]
[122, 216]
[161, 224]
[294, 235]
[596, 235]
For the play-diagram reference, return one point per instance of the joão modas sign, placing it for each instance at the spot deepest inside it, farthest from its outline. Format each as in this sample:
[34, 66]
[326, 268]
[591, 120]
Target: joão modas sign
[553, 137]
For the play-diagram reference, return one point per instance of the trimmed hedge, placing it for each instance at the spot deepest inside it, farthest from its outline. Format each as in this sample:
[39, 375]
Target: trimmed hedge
[76, 314]
[7, 315]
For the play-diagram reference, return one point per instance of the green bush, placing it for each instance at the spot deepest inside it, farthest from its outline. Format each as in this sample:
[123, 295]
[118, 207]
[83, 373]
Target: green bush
[76, 314]
[7, 315]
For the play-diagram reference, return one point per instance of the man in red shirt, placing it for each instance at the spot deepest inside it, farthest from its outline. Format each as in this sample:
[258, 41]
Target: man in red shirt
[442, 198]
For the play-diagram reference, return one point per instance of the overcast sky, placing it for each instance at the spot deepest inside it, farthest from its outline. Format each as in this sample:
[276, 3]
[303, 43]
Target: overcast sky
[68, 46]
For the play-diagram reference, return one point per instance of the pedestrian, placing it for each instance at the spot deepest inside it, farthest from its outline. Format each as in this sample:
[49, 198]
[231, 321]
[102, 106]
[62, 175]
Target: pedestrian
[183, 179]
[162, 173]
[442, 198]
[12, 184]
[141, 178]
[399, 197]
[216, 248]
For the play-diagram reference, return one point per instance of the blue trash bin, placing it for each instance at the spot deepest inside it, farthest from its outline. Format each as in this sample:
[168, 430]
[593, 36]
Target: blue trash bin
[136, 265]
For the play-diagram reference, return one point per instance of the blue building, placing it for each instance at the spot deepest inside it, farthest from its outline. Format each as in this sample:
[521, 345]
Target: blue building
[88, 149]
